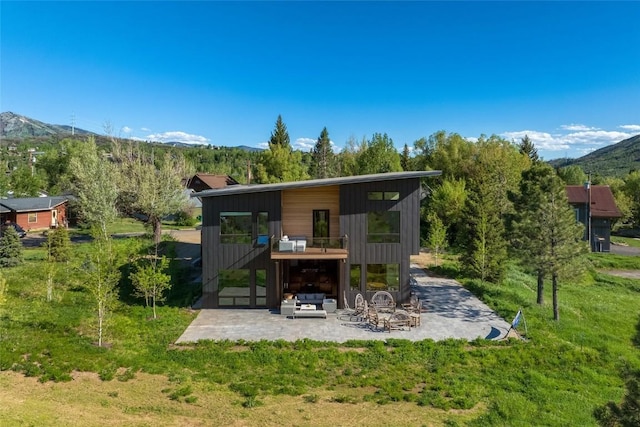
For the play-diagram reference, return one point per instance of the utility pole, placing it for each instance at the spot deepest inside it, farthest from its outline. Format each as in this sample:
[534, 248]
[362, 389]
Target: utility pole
[73, 124]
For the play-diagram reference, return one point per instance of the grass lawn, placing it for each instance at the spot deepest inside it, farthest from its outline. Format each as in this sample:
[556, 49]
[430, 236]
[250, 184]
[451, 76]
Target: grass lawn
[53, 374]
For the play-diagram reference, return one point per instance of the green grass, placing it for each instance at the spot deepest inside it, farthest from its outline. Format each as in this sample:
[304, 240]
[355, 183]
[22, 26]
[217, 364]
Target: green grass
[630, 241]
[558, 377]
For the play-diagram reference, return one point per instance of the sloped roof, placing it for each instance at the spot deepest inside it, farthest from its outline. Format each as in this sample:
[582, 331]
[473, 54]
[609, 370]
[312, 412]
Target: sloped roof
[257, 188]
[212, 181]
[31, 204]
[603, 205]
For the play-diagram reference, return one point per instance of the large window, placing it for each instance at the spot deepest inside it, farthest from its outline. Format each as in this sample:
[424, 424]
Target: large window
[383, 195]
[234, 287]
[383, 227]
[32, 217]
[383, 277]
[235, 227]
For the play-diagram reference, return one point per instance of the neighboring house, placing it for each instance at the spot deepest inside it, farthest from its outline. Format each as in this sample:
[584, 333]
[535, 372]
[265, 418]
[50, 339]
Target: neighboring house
[595, 205]
[325, 237]
[205, 181]
[35, 213]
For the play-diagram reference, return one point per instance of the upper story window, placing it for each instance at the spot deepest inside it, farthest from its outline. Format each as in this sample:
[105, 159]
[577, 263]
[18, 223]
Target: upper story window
[383, 195]
[383, 227]
[235, 227]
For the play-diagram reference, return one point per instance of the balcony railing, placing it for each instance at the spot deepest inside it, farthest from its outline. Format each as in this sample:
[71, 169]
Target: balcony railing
[316, 244]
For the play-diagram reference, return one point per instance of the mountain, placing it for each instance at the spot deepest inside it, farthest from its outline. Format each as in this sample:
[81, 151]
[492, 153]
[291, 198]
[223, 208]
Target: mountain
[613, 160]
[15, 126]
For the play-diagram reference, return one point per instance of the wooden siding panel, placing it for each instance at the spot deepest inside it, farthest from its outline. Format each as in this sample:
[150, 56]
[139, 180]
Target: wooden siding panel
[298, 206]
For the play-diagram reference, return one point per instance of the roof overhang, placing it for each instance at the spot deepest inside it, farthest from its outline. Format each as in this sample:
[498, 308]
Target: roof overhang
[357, 179]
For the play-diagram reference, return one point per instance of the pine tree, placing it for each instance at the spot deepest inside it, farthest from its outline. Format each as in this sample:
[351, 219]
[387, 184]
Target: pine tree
[323, 164]
[547, 237]
[405, 158]
[10, 247]
[280, 136]
[527, 148]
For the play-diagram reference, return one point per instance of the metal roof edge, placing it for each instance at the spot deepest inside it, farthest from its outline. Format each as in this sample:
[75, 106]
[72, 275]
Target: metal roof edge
[355, 179]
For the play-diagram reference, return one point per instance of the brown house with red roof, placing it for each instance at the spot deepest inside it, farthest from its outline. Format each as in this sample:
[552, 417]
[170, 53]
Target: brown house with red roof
[206, 181]
[594, 205]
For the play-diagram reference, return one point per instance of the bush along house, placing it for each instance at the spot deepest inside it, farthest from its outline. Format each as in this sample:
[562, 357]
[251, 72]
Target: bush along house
[322, 238]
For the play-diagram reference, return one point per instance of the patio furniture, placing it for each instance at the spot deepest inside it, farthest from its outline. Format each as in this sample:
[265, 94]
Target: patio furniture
[330, 305]
[397, 320]
[309, 310]
[288, 307]
[383, 302]
[286, 246]
[360, 306]
[373, 318]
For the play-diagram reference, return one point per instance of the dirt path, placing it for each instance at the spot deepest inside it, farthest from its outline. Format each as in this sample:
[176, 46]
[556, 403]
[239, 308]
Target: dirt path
[628, 274]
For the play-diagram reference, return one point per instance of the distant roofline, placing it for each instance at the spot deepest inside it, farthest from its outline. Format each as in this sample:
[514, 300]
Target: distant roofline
[356, 179]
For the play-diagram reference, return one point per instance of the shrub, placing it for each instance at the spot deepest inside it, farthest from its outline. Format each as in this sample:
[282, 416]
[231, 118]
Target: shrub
[185, 218]
[59, 245]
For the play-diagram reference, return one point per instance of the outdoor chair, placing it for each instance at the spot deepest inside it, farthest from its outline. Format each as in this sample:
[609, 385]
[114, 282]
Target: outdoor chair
[398, 320]
[360, 306]
[372, 317]
[383, 302]
[349, 312]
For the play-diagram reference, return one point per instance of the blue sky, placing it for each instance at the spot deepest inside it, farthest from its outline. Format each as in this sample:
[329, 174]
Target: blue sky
[565, 73]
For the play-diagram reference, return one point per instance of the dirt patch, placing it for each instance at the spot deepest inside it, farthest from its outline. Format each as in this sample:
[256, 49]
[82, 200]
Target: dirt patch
[145, 400]
[627, 274]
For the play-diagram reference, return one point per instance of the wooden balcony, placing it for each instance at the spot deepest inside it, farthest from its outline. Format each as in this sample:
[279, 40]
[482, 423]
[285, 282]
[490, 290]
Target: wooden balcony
[298, 248]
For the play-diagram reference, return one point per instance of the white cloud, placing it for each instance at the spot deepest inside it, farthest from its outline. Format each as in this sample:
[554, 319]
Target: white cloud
[580, 139]
[542, 140]
[126, 129]
[471, 139]
[263, 145]
[304, 144]
[632, 128]
[178, 136]
[145, 129]
[576, 127]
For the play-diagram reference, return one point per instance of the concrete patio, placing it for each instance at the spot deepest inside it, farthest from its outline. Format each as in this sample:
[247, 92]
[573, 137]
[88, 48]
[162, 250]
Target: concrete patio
[451, 312]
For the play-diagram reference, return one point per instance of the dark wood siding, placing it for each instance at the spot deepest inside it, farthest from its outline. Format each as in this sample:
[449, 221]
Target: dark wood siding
[216, 256]
[354, 205]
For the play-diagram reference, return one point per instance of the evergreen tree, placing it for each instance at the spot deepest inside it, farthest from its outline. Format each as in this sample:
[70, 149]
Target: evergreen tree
[528, 149]
[546, 235]
[280, 136]
[405, 159]
[323, 159]
[59, 245]
[10, 247]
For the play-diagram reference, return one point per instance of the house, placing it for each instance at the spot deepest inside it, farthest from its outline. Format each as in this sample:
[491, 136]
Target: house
[35, 213]
[206, 181]
[594, 205]
[320, 238]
